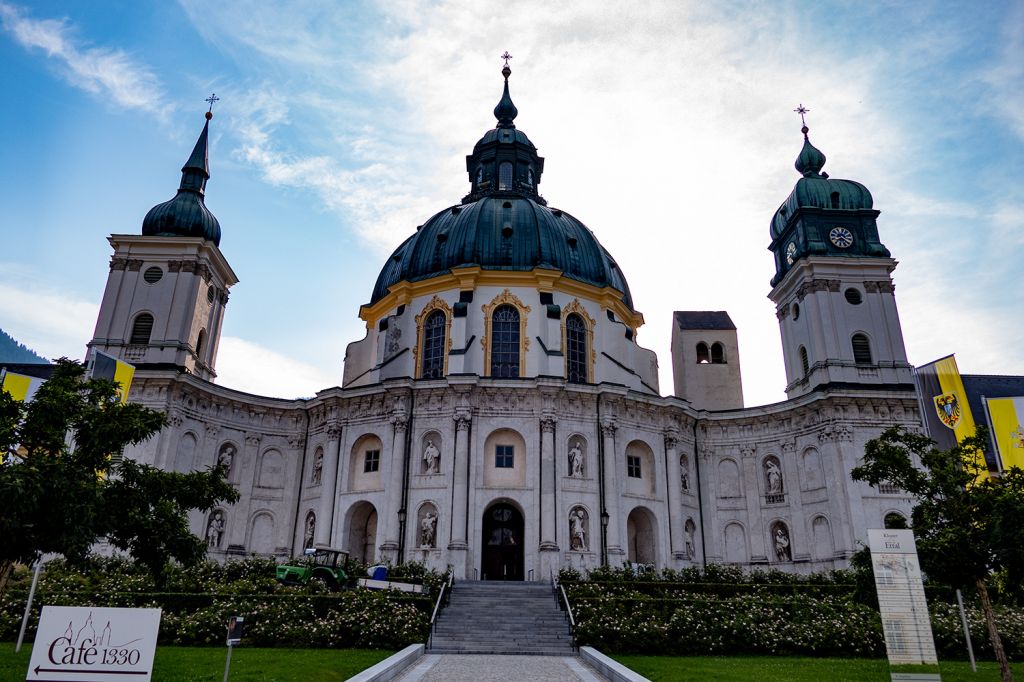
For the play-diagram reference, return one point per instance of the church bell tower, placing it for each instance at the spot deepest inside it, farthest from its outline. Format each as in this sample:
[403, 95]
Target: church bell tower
[163, 306]
[833, 288]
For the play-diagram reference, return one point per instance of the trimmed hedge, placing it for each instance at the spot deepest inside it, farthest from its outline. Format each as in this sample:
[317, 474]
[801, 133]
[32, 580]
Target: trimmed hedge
[725, 611]
[197, 603]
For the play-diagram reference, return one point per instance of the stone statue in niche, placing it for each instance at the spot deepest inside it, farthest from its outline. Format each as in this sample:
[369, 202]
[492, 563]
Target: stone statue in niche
[226, 456]
[393, 337]
[318, 467]
[691, 530]
[576, 461]
[310, 531]
[773, 476]
[431, 459]
[781, 540]
[577, 530]
[428, 530]
[215, 530]
[684, 473]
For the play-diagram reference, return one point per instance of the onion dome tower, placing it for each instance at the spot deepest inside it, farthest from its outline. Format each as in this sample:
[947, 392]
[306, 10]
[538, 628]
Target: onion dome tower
[186, 214]
[833, 288]
[166, 293]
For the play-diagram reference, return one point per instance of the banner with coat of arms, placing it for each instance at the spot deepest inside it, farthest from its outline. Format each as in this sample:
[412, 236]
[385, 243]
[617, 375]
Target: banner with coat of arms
[944, 401]
[1007, 418]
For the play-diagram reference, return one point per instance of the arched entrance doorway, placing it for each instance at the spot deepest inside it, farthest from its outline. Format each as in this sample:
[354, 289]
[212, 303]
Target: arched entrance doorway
[362, 532]
[640, 536]
[502, 543]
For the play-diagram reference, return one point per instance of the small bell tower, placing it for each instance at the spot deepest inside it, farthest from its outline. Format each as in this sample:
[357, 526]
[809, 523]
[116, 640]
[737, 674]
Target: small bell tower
[833, 288]
[163, 306]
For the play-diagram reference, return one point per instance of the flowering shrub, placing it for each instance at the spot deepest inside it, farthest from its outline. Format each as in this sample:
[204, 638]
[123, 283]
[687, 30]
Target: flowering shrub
[197, 603]
[722, 610]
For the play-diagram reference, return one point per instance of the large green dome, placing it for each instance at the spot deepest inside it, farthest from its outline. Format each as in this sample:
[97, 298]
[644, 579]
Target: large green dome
[502, 233]
[503, 223]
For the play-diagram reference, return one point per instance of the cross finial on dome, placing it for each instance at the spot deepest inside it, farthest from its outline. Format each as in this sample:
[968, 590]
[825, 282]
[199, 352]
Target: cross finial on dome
[801, 109]
[211, 99]
[506, 111]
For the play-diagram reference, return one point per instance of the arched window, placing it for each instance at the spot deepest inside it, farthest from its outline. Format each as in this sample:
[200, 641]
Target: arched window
[505, 176]
[200, 343]
[804, 365]
[479, 175]
[505, 342]
[835, 199]
[434, 345]
[703, 355]
[861, 349]
[576, 349]
[142, 329]
[717, 354]
[895, 520]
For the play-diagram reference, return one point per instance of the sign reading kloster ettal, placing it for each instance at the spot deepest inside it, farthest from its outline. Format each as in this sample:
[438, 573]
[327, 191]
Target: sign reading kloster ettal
[84, 643]
[901, 600]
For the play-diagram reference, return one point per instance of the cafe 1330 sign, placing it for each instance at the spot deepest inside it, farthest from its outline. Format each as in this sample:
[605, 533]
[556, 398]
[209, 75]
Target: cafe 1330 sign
[86, 643]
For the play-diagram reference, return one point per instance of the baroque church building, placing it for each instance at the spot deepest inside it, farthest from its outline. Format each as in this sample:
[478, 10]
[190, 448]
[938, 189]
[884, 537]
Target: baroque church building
[499, 415]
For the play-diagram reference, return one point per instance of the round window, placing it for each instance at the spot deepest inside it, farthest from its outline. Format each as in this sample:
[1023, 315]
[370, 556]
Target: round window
[796, 311]
[153, 275]
[852, 296]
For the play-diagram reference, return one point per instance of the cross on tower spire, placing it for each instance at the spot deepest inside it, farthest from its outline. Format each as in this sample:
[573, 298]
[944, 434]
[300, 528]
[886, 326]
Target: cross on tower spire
[211, 99]
[506, 57]
[801, 109]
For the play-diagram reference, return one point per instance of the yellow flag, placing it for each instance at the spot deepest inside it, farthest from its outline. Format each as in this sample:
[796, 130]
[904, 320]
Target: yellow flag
[1007, 415]
[108, 367]
[21, 387]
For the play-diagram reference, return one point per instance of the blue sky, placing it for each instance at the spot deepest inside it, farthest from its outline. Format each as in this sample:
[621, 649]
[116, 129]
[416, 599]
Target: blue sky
[667, 128]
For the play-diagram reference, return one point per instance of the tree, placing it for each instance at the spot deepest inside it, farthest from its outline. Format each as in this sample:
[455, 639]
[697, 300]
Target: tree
[967, 525]
[60, 494]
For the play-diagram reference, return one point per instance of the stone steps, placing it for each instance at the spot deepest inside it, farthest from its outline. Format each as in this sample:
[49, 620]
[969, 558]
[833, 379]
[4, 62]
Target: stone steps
[502, 618]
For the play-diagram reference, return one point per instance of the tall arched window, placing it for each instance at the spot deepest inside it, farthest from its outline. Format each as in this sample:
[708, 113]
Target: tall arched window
[576, 349]
[703, 355]
[861, 349]
[142, 329]
[717, 354]
[505, 342]
[804, 365]
[505, 176]
[434, 345]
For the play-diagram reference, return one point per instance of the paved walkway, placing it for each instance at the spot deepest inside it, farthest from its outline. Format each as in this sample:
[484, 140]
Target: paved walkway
[485, 668]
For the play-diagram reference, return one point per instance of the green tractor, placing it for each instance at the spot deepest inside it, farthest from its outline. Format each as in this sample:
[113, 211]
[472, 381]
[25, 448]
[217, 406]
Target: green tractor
[323, 565]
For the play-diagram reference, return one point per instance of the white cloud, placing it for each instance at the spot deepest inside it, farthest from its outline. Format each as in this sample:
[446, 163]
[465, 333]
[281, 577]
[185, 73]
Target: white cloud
[246, 366]
[49, 322]
[97, 70]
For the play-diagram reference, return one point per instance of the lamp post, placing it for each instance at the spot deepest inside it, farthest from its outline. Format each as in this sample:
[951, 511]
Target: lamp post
[401, 535]
[605, 517]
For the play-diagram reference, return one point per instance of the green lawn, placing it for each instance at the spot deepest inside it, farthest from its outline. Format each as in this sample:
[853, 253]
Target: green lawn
[792, 669]
[199, 664]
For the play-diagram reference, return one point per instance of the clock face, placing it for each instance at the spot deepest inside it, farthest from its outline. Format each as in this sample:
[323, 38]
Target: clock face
[841, 237]
[790, 253]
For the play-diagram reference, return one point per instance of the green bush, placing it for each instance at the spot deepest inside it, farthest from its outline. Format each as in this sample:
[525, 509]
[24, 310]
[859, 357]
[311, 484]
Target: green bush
[197, 602]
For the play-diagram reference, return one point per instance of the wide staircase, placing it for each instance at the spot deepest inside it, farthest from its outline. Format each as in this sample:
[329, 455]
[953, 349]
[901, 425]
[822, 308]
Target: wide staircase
[502, 618]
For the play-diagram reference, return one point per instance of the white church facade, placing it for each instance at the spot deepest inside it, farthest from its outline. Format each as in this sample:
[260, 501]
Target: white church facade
[499, 416]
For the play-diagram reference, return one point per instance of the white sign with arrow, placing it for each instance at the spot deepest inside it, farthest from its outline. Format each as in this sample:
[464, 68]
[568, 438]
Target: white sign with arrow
[84, 643]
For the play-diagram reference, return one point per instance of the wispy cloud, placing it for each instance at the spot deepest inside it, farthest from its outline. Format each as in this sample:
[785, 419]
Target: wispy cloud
[98, 70]
[246, 366]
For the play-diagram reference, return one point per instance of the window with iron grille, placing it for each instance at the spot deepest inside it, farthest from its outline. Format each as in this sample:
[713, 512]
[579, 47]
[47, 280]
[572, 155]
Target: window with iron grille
[633, 466]
[504, 456]
[142, 329]
[434, 345]
[372, 461]
[576, 349]
[505, 342]
[861, 349]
